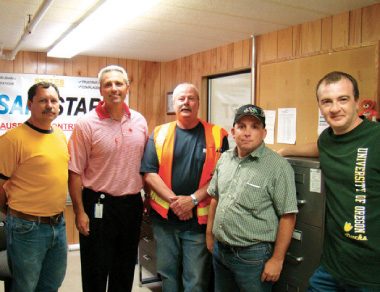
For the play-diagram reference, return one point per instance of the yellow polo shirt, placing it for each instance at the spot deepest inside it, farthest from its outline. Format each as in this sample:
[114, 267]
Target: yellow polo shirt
[35, 164]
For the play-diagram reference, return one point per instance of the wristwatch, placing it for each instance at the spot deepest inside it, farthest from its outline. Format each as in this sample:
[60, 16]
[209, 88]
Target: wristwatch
[194, 199]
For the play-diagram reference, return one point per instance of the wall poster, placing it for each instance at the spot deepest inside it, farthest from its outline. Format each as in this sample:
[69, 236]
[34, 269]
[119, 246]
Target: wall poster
[78, 96]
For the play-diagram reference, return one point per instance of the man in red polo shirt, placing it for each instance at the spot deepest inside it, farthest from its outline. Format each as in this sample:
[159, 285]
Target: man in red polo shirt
[106, 148]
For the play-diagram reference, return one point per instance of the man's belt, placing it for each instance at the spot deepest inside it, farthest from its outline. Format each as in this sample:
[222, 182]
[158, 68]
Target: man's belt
[52, 220]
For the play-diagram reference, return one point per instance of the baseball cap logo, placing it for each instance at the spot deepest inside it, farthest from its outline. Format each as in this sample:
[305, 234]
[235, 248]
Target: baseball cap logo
[254, 111]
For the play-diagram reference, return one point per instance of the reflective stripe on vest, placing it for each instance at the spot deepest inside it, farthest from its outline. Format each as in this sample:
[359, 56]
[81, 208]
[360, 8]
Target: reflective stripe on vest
[164, 137]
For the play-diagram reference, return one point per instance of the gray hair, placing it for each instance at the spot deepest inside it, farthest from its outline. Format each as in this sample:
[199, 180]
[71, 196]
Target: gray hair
[180, 86]
[112, 68]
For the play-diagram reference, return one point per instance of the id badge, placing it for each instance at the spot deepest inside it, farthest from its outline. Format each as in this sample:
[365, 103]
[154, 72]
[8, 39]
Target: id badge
[98, 210]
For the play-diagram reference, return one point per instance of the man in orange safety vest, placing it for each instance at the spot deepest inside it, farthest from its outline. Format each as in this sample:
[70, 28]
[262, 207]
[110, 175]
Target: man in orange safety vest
[178, 163]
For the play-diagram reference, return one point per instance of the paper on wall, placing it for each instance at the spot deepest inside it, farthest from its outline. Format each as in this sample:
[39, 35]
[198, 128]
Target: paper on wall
[286, 130]
[270, 121]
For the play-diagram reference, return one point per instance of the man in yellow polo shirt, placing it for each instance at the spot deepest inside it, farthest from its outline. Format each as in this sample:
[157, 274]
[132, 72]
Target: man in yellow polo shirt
[33, 188]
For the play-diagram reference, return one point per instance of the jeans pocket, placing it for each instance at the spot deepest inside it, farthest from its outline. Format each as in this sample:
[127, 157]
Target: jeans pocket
[256, 254]
[21, 226]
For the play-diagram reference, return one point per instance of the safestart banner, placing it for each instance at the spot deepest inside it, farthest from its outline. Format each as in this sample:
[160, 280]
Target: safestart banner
[78, 96]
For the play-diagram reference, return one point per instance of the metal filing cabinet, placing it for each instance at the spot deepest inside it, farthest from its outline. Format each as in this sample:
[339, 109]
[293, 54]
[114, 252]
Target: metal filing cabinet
[147, 253]
[305, 250]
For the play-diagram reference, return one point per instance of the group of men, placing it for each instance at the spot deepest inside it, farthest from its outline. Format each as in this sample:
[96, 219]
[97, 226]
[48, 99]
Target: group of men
[222, 219]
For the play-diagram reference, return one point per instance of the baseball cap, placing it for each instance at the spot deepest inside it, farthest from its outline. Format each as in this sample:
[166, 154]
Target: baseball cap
[250, 110]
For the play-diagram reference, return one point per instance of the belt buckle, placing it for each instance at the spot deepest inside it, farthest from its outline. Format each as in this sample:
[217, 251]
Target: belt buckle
[54, 220]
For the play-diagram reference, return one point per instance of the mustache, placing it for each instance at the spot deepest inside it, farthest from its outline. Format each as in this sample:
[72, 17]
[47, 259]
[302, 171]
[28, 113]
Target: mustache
[48, 111]
[185, 108]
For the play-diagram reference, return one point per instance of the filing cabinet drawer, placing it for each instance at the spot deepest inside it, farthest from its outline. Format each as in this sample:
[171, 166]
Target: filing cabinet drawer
[147, 253]
[147, 259]
[310, 194]
[147, 243]
[146, 232]
[311, 208]
[302, 258]
[146, 228]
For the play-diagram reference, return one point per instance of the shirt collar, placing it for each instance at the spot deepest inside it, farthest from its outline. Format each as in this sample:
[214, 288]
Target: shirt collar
[103, 114]
[38, 129]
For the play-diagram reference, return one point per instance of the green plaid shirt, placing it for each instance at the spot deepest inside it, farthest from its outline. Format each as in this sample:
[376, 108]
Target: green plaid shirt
[252, 192]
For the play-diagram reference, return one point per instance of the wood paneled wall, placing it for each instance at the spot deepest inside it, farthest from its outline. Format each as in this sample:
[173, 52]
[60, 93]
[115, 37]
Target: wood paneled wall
[345, 32]
[350, 29]
[72, 233]
[149, 81]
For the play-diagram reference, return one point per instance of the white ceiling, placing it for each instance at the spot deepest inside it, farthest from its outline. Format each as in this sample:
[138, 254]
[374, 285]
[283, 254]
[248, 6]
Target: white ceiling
[171, 29]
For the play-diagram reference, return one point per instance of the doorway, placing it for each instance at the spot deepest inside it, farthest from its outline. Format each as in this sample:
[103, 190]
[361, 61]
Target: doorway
[226, 93]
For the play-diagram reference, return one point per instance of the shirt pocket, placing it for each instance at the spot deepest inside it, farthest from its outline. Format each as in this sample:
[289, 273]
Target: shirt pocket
[252, 197]
[200, 154]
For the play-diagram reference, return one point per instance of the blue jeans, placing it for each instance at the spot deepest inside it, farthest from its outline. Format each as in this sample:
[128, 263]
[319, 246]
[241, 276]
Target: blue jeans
[37, 254]
[185, 251]
[323, 281]
[239, 269]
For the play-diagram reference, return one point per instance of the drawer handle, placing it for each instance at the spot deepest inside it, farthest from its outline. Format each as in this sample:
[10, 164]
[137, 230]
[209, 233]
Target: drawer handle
[146, 239]
[301, 202]
[147, 257]
[293, 259]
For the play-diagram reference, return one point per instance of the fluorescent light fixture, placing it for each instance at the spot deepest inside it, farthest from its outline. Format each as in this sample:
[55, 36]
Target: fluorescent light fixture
[96, 24]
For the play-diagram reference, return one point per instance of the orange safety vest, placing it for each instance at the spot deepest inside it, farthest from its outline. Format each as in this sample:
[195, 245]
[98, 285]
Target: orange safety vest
[164, 137]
